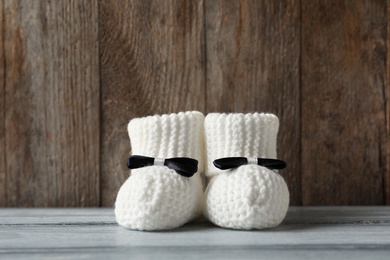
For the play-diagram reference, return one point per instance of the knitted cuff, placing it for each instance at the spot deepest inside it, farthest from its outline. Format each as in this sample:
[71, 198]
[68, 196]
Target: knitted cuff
[167, 136]
[239, 135]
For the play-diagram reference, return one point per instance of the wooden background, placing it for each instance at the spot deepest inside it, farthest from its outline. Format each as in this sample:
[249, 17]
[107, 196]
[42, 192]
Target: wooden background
[73, 73]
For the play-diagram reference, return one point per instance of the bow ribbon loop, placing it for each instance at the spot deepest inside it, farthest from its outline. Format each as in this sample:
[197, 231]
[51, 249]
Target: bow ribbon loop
[234, 162]
[184, 166]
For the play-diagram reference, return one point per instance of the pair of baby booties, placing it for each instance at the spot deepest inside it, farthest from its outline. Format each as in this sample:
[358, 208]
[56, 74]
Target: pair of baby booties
[247, 197]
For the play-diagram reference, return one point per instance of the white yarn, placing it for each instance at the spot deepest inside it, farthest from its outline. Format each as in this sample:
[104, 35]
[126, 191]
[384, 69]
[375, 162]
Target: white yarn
[251, 196]
[156, 197]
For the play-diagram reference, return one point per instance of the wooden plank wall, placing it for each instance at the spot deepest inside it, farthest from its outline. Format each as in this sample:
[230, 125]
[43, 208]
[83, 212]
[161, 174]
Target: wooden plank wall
[74, 73]
[152, 61]
[2, 114]
[51, 103]
[344, 97]
[250, 45]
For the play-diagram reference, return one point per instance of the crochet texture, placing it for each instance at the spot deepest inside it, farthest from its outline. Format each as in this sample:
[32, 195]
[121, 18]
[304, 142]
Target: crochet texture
[156, 197]
[251, 196]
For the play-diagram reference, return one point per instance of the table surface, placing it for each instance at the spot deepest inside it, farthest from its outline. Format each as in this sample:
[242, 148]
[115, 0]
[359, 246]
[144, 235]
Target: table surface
[85, 233]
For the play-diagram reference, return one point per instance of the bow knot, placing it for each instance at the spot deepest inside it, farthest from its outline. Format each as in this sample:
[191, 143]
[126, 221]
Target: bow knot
[234, 162]
[184, 166]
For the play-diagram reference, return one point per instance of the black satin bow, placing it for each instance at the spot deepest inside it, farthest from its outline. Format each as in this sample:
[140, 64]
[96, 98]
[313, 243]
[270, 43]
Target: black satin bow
[184, 166]
[234, 162]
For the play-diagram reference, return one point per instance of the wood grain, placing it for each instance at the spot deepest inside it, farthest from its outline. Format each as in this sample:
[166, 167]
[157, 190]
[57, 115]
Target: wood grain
[322, 67]
[152, 62]
[177, 253]
[51, 103]
[306, 233]
[253, 53]
[387, 119]
[345, 143]
[2, 109]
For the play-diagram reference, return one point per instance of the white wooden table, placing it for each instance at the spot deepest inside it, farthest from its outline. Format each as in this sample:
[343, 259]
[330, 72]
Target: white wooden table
[92, 233]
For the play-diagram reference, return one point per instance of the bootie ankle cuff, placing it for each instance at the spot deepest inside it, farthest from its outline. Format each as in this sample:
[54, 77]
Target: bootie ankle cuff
[167, 136]
[239, 135]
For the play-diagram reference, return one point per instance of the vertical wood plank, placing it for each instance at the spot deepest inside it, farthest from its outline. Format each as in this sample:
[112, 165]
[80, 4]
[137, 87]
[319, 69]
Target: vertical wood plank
[387, 172]
[344, 94]
[51, 103]
[253, 54]
[152, 61]
[2, 109]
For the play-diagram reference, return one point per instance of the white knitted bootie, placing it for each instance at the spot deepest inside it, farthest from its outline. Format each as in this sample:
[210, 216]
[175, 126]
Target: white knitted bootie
[157, 197]
[249, 196]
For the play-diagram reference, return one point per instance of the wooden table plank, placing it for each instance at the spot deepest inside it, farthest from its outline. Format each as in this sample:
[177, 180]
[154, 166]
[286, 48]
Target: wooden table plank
[359, 232]
[201, 253]
[322, 236]
[56, 216]
[152, 62]
[51, 103]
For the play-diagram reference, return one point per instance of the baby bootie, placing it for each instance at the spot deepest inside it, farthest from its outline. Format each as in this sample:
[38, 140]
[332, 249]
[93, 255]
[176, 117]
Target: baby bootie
[245, 190]
[160, 192]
